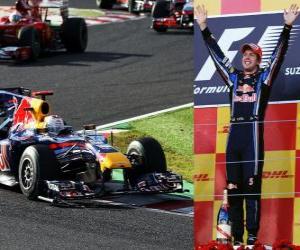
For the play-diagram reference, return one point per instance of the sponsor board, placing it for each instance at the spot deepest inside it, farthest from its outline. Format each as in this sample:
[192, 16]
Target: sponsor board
[281, 182]
[231, 33]
[280, 174]
[280, 178]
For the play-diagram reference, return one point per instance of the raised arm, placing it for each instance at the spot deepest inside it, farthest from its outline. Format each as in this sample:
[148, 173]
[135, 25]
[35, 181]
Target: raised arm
[222, 63]
[276, 59]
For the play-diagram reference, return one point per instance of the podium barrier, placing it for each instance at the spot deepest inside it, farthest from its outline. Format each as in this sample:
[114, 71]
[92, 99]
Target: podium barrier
[280, 217]
[280, 197]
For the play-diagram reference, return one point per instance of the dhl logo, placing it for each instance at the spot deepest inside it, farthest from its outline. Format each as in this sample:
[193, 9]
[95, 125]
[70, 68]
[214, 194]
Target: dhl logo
[276, 174]
[225, 130]
[202, 177]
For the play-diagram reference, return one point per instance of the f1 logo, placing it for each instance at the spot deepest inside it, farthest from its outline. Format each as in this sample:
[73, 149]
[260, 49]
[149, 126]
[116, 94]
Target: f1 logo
[228, 37]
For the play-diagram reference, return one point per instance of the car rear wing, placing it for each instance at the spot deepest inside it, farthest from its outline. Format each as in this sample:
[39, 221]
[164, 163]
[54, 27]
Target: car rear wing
[54, 3]
[63, 5]
[18, 91]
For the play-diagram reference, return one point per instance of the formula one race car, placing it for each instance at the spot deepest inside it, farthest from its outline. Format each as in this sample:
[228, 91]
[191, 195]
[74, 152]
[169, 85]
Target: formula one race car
[134, 6]
[176, 14]
[48, 160]
[26, 37]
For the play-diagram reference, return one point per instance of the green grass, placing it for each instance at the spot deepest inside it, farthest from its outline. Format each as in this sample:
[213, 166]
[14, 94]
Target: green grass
[173, 130]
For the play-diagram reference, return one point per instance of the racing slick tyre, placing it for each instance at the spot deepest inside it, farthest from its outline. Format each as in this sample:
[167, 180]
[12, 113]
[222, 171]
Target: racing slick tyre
[37, 163]
[147, 157]
[160, 29]
[161, 9]
[74, 34]
[29, 36]
[105, 4]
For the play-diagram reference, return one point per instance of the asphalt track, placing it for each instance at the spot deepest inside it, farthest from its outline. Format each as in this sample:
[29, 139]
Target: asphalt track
[128, 70]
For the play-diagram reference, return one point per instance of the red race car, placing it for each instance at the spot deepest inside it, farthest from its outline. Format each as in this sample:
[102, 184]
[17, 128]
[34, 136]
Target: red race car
[25, 35]
[176, 14]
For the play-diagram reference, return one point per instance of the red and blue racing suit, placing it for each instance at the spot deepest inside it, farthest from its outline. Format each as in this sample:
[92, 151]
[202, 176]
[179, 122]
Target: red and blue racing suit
[249, 96]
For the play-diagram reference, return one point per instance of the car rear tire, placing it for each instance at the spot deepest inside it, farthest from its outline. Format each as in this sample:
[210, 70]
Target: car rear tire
[105, 4]
[161, 9]
[75, 34]
[148, 157]
[37, 163]
[29, 36]
[161, 29]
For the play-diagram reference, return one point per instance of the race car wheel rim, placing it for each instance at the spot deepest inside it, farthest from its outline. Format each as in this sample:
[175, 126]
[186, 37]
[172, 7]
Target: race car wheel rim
[27, 174]
[137, 159]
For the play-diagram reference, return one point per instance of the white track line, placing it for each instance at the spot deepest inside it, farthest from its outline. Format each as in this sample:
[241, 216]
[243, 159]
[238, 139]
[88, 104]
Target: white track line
[145, 116]
[156, 210]
[168, 212]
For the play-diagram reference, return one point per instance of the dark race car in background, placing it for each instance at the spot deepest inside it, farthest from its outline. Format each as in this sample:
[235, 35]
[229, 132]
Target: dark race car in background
[28, 37]
[172, 14]
[48, 160]
[133, 6]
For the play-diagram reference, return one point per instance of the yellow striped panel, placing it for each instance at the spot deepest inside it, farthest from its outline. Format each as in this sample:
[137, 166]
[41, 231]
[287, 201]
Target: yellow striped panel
[271, 5]
[298, 128]
[296, 233]
[213, 6]
[279, 174]
[222, 128]
[204, 177]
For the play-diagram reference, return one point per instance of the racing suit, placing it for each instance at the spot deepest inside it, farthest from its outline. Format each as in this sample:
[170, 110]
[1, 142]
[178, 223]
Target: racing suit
[249, 96]
[23, 7]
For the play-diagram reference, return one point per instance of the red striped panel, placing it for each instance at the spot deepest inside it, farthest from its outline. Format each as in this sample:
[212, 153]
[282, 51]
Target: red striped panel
[297, 174]
[205, 127]
[203, 222]
[280, 127]
[220, 176]
[238, 6]
[276, 220]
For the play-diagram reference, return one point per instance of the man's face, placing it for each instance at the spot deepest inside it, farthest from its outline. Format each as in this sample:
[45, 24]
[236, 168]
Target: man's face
[250, 61]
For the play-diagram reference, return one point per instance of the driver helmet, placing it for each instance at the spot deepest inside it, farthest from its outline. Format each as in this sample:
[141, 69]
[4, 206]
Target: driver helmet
[54, 124]
[15, 17]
